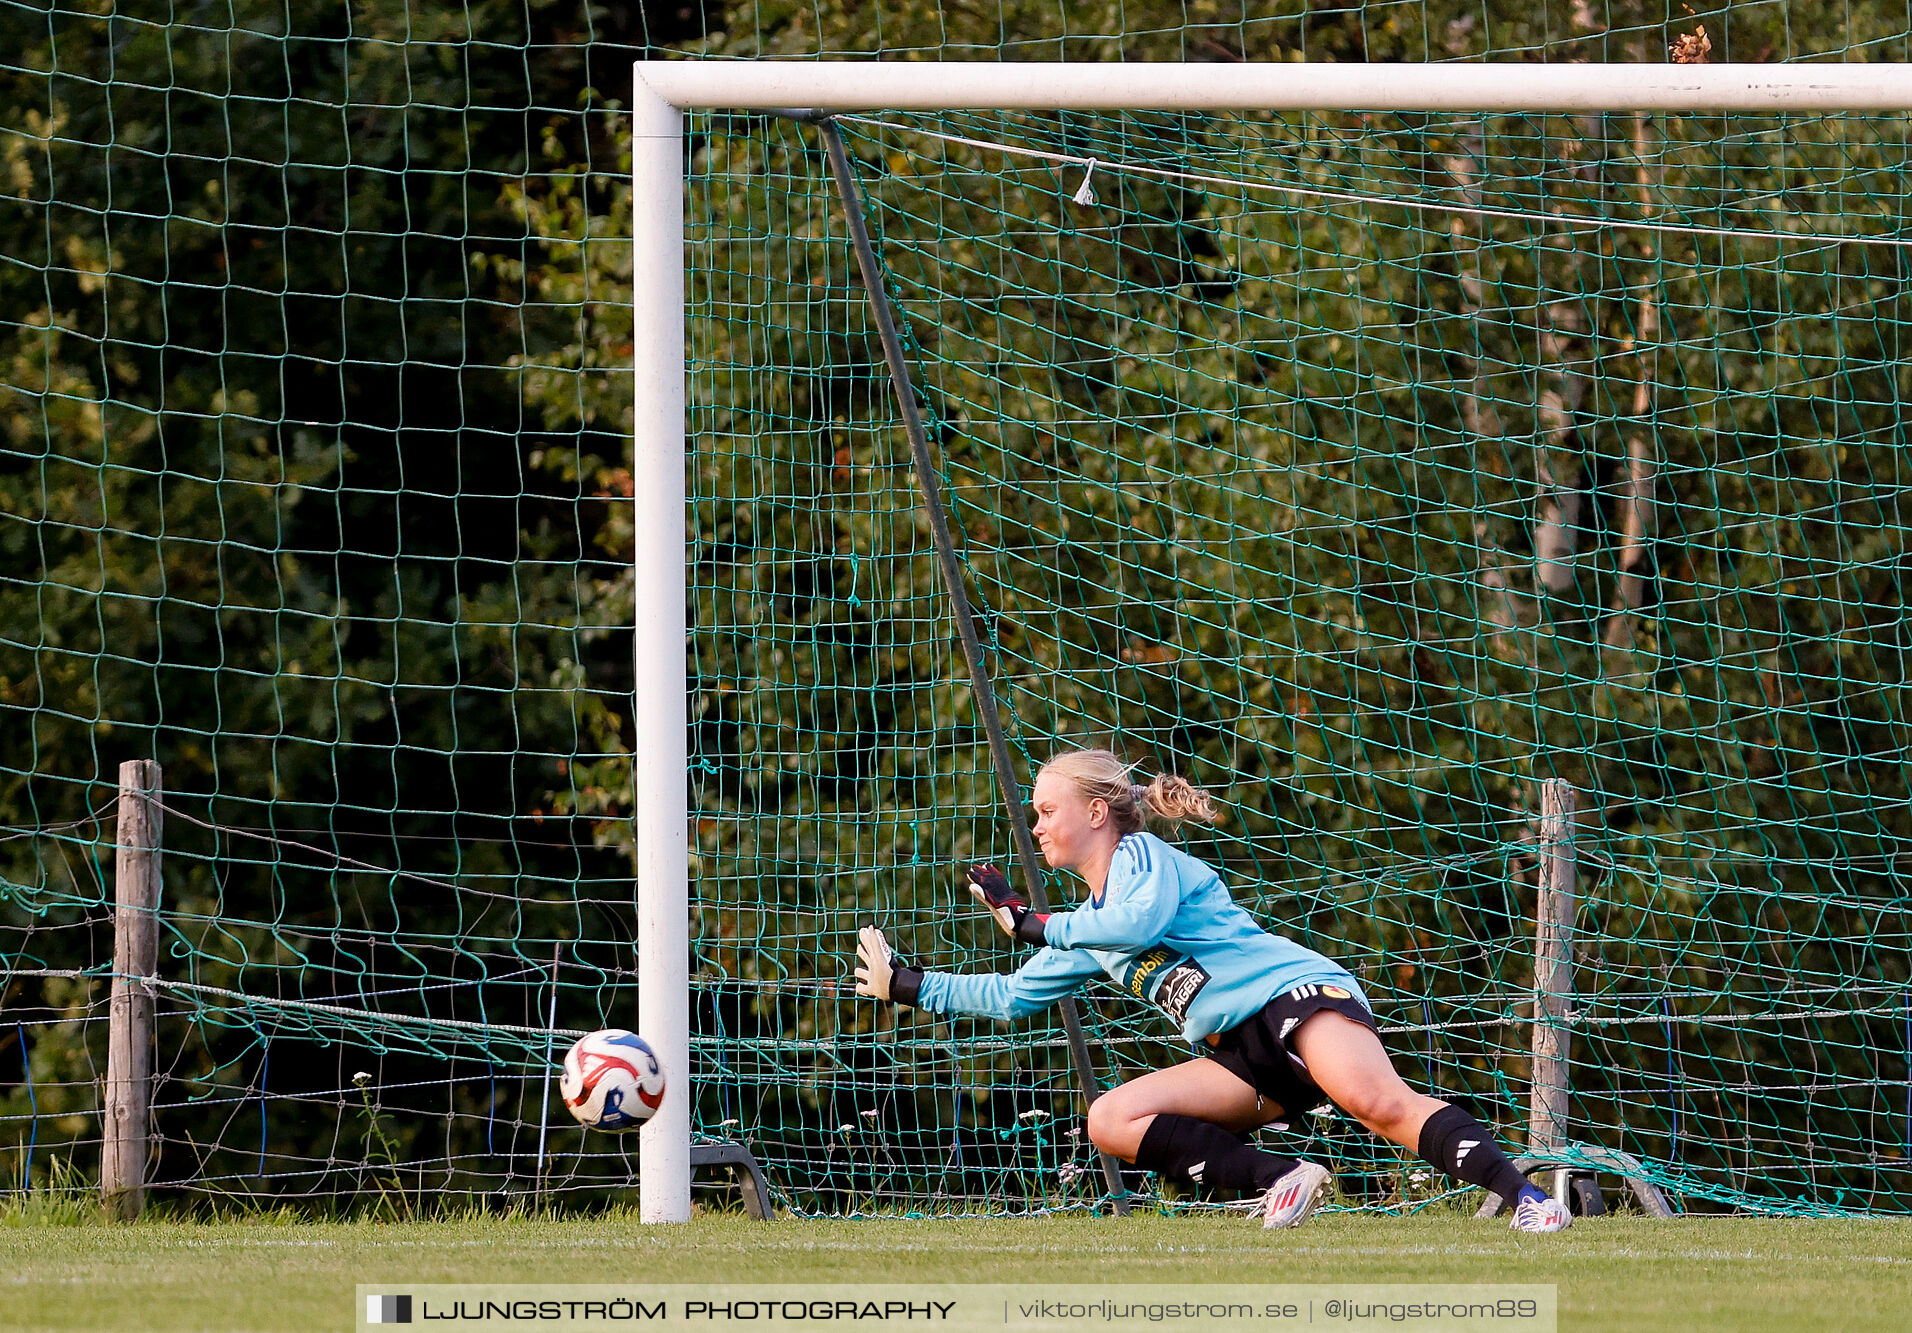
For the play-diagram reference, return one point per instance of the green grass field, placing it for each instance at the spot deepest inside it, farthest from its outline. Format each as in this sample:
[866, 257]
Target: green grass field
[1625, 1273]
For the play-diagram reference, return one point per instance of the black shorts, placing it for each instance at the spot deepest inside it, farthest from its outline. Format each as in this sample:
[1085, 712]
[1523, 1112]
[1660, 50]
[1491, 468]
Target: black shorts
[1257, 1051]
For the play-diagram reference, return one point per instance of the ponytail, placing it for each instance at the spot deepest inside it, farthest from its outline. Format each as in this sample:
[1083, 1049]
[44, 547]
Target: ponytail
[1178, 800]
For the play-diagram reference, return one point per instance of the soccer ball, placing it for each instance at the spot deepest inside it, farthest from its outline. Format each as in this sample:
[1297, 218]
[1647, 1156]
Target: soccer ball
[612, 1080]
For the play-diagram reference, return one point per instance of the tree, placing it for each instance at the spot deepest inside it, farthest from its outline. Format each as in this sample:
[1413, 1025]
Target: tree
[315, 407]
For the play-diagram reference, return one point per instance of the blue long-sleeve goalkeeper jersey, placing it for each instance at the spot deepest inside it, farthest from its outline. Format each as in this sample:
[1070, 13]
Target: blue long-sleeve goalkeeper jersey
[1166, 931]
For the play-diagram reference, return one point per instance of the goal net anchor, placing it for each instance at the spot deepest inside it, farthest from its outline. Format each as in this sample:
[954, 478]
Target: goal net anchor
[743, 1168]
[1576, 1173]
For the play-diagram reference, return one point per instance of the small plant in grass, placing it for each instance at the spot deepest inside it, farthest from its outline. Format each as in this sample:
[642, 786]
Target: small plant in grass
[63, 1198]
[381, 1151]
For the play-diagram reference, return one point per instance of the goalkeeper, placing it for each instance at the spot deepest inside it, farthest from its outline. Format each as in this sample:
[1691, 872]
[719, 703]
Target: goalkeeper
[1280, 1027]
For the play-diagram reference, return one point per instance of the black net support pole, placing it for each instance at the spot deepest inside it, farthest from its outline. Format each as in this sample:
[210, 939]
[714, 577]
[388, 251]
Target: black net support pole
[981, 687]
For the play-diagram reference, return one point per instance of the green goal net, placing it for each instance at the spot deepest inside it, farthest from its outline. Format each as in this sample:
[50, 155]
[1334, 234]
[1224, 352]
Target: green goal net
[1370, 470]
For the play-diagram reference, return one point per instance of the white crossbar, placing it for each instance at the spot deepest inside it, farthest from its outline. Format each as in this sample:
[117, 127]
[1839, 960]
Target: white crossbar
[889, 85]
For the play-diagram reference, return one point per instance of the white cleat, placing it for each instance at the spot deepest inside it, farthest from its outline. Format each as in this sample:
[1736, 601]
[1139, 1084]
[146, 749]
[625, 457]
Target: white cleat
[1290, 1200]
[1541, 1215]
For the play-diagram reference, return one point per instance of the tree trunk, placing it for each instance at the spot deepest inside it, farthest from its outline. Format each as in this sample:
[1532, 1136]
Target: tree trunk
[1561, 339]
[1557, 475]
[1497, 602]
[1635, 509]
[1478, 417]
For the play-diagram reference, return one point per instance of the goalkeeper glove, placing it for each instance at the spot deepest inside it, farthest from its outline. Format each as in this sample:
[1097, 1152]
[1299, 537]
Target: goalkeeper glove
[879, 975]
[991, 888]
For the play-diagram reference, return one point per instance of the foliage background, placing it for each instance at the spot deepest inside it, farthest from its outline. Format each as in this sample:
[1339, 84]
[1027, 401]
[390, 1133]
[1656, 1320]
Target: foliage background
[314, 354]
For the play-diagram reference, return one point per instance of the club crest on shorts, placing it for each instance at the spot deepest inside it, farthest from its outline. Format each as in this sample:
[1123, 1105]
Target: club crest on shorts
[1337, 993]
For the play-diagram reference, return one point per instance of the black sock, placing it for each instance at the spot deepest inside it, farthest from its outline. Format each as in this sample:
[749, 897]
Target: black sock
[1181, 1147]
[1463, 1147]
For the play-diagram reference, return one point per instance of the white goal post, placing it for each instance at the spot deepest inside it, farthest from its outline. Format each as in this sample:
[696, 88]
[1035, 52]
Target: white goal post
[664, 90]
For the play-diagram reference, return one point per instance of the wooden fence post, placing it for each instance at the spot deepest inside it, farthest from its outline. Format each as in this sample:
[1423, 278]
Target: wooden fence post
[129, 1051]
[1554, 911]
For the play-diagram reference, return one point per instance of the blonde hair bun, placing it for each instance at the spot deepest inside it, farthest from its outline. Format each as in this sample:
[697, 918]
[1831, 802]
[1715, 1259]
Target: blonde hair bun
[1100, 775]
[1176, 799]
